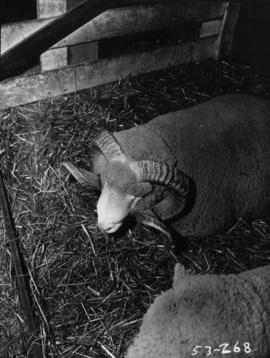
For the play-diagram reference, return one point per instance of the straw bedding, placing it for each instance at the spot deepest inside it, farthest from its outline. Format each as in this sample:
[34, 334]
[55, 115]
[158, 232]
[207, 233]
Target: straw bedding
[91, 291]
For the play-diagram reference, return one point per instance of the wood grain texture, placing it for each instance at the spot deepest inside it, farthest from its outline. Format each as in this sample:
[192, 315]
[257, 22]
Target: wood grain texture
[119, 22]
[210, 28]
[50, 8]
[22, 90]
[53, 59]
[26, 89]
[229, 28]
[20, 57]
[82, 53]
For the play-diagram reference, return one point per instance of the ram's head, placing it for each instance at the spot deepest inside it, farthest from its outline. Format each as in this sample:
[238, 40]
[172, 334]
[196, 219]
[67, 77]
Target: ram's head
[126, 185]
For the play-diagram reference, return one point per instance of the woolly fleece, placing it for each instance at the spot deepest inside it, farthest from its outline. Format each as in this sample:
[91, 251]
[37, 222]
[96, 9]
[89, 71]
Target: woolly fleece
[208, 310]
[223, 146]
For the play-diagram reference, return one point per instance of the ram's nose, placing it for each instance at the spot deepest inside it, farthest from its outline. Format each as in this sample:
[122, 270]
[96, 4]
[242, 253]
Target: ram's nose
[108, 227]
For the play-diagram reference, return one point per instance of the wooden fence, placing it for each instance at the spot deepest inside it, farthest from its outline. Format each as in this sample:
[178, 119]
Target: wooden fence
[76, 62]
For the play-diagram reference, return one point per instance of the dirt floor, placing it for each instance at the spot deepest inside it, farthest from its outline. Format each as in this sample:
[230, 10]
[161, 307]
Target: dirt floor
[91, 291]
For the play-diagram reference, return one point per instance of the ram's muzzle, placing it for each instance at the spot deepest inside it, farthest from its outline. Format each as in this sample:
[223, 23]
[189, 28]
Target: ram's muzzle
[112, 208]
[113, 205]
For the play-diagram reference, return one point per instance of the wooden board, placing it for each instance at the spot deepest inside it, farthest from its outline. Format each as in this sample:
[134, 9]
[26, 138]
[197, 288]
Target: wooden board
[49, 8]
[119, 22]
[210, 28]
[12, 34]
[232, 17]
[55, 58]
[221, 31]
[28, 89]
[127, 21]
[122, 67]
[20, 57]
[82, 53]
[229, 28]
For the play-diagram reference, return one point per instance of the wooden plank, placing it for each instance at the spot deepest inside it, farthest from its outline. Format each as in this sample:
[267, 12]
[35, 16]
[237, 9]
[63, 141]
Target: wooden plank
[12, 34]
[53, 59]
[229, 28]
[28, 89]
[17, 59]
[131, 65]
[120, 22]
[221, 31]
[232, 17]
[210, 28]
[55, 7]
[48, 8]
[127, 21]
[82, 53]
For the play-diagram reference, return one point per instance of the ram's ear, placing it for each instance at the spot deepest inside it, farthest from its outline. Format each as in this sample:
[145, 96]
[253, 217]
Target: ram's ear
[99, 163]
[92, 180]
[179, 274]
[84, 177]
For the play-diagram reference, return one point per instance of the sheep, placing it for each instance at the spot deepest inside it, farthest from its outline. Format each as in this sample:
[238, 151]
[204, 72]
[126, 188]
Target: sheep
[208, 315]
[193, 172]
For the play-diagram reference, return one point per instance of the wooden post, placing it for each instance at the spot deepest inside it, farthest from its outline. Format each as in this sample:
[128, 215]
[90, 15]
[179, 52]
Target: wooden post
[50, 8]
[55, 58]
[221, 31]
[229, 28]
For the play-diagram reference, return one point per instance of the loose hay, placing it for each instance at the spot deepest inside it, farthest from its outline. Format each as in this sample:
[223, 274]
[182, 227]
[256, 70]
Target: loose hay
[91, 291]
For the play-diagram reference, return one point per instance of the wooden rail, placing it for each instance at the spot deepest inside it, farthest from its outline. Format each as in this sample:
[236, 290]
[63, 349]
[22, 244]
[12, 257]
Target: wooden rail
[117, 22]
[17, 59]
[32, 88]
[69, 44]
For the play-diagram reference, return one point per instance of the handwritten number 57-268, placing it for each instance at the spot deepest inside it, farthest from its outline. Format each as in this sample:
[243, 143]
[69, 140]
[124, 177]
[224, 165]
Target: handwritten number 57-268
[223, 349]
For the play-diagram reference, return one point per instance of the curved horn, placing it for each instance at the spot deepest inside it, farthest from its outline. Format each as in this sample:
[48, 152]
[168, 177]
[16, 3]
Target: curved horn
[110, 147]
[84, 177]
[149, 219]
[161, 173]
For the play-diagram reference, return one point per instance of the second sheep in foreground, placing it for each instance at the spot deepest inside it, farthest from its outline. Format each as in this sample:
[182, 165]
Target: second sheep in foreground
[208, 315]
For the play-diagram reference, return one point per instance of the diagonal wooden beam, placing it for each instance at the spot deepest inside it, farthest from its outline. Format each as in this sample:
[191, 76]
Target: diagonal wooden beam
[21, 57]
